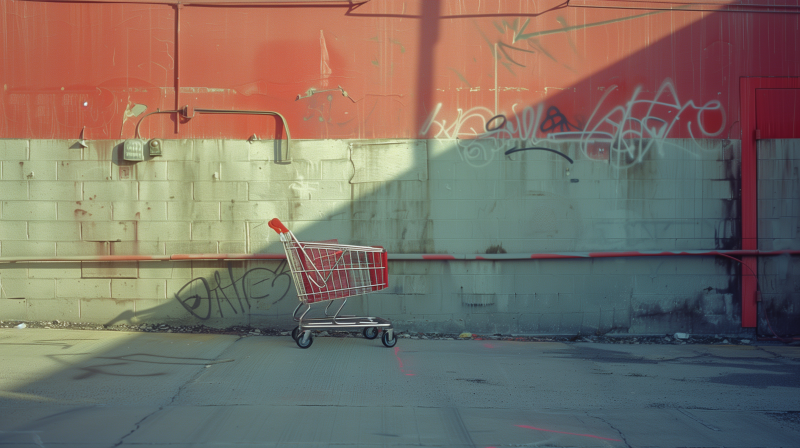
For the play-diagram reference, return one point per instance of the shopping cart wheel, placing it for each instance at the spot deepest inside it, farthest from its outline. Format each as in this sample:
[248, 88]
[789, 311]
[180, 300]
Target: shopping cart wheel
[295, 332]
[389, 342]
[370, 332]
[304, 342]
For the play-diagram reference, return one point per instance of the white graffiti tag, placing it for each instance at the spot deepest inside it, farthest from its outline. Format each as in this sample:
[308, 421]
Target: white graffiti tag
[628, 131]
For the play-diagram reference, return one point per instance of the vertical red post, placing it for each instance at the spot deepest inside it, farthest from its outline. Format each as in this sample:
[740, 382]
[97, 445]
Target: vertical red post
[747, 97]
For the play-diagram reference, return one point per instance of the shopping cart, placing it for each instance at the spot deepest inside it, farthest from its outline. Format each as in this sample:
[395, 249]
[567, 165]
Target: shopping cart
[326, 271]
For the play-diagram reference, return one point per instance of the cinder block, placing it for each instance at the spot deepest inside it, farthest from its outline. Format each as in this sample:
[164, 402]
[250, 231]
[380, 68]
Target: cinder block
[415, 284]
[54, 231]
[28, 249]
[139, 288]
[605, 323]
[233, 150]
[140, 211]
[29, 170]
[191, 247]
[443, 148]
[184, 171]
[152, 170]
[571, 323]
[222, 150]
[254, 211]
[54, 150]
[169, 311]
[84, 170]
[590, 323]
[29, 211]
[13, 309]
[83, 288]
[712, 169]
[137, 248]
[311, 190]
[14, 190]
[452, 229]
[106, 311]
[338, 169]
[659, 209]
[165, 191]
[232, 247]
[83, 211]
[54, 309]
[29, 288]
[54, 270]
[320, 149]
[217, 231]
[109, 231]
[13, 149]
[220, 191]
[525, 323]
[13, 230]
[545, 284]
[176, 150]
[298, 169]
[209, 269]
[14, 270]
[118, 190]
[56, 191]
[163, 230]
[121, 269]
[550, 323]
[104, 150]
[193, 211]
[248, 171]
[165, 269]
[264, 150]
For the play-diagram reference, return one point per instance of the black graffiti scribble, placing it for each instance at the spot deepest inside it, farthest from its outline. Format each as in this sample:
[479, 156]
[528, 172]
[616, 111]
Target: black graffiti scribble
[197, 295]
[554, 120]
[501, 125]
[538, 148]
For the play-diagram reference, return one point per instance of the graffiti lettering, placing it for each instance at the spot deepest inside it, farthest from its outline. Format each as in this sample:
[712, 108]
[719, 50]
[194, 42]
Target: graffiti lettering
[629, 131]
[197, 296]
[555, 120]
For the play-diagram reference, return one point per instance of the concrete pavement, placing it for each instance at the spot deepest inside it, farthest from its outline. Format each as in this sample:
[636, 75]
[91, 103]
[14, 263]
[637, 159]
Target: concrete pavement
[71, 388]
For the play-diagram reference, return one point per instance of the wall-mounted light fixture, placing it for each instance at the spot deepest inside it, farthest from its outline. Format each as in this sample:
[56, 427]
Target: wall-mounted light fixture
[133, 150]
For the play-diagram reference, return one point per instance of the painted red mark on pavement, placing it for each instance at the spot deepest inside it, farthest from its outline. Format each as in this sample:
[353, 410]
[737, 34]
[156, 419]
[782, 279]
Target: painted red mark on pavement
[400, 362]
[568, 433]
[487, 345]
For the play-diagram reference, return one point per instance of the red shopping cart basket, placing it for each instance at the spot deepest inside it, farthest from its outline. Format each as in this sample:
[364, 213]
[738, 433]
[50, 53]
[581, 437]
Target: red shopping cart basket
[325, 271]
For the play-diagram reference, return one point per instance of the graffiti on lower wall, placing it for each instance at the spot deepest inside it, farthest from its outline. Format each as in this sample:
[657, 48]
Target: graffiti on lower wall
[234, 295]
[624, 136]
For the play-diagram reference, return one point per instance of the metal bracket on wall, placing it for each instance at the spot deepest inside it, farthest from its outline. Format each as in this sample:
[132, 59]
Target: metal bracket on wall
[189, 112]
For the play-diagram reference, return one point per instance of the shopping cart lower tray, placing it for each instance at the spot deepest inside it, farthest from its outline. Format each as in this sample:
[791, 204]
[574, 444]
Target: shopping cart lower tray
[325, 271]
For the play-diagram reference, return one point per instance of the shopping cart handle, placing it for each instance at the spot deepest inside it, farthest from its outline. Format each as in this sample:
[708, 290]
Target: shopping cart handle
[276, 225]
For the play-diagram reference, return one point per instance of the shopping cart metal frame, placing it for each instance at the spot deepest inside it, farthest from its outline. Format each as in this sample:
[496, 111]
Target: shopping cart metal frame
[327, 271]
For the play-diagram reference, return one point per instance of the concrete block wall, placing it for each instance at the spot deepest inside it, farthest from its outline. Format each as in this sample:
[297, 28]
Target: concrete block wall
[410, 196]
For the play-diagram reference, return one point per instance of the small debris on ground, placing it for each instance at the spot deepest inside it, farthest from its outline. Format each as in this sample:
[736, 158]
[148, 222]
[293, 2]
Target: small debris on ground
[243, 331]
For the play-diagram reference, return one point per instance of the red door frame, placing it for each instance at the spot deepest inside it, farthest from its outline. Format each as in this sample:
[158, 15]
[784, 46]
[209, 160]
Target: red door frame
[747, 97]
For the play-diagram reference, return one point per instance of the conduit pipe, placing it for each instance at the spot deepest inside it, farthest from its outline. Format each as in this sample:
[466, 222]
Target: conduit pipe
[412, 257]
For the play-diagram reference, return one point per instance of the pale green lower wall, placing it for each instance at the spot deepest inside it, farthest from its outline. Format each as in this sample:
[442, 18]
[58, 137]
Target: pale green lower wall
[436, 196]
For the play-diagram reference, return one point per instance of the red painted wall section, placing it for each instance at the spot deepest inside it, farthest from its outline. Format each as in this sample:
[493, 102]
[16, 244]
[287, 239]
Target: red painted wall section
[778, 113]
[413, 69]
